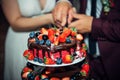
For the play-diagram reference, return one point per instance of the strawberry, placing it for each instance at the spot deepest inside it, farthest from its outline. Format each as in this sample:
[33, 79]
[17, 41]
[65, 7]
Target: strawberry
[83, 72]
[44, 31]
[48, 61]
[27, 69]
[73, 31]
[24, 75]
[66, 32]
[56, 40]
[43, 76]
[28, 54]
[82, 50]
[54, 78]
[66, 78]
[64, 53]
[62, 38]
[56, 55]
[51, 38]
[31, 57]
[51, 32]
[57, 32]
[84, 46]
[79, 37]
[40, 36]
[68, 59]
[86, 67]
[37, 78]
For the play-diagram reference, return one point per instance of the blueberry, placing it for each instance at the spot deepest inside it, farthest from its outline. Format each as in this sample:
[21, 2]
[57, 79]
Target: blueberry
[45, 79]
[48, 42]
[37, 40]
[37, 34]
[59, 61]
[68, 40]
[36, 59]
[40, 60]
[30, 76]
[44, 37]
[32, 35]
[41, 42]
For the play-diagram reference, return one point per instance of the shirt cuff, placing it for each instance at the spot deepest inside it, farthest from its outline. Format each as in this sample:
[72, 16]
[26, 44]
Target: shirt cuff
[65, 1]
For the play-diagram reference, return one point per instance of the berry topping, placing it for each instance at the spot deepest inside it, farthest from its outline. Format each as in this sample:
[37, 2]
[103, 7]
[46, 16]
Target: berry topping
[37, 34]
[37, 40]
[44, 37]
[41, 42]
[30, 76]
[68, 59]
[59, 61]
[68, 40]
[36, 59]
[32, 35]
[48, 43]
[40, 60]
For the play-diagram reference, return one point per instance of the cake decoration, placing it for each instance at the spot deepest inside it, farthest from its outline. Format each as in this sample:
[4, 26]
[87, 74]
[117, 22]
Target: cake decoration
[50, 50]
[55, 46]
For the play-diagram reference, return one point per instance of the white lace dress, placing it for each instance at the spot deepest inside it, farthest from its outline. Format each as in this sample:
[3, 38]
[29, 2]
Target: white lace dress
[16, 42]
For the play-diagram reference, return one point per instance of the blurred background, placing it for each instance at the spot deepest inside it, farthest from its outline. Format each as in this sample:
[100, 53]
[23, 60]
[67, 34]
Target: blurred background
[3, 30]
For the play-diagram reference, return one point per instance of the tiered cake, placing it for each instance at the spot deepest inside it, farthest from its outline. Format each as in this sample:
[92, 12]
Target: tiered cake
[55, 47]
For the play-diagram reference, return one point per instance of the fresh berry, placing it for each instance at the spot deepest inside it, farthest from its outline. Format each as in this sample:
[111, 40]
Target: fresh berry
[48, 61]
[45, 79]
[40, 37]
[28, 54]
[68, 40]
[27, 69]
[37, 40]
[25, 74]
[59, 61]
[43, 76]
[83, 72]
[30, 57]
[86, 67]
[40, 60]
[68, 59]
[62, 38]
[44, 31]
[36, 59]
[51, 32]
[32, 35]
[44, 37]
[56, 41]
[37, 34]
[79, 37]
[30, 76]
[48, 43]
[51, 38]
[41, 42]
[66, 32]
[37, 77]
[54, 78]
[73, 31]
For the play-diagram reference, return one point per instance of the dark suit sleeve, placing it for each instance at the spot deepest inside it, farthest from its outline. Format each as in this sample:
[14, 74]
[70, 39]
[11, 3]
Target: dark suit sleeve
[106, 29]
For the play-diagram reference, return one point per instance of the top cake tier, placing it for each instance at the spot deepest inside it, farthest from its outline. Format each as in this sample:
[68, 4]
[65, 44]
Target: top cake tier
[54, 39]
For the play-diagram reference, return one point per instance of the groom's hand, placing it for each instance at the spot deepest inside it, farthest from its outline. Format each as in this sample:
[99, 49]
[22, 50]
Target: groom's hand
[60, 13]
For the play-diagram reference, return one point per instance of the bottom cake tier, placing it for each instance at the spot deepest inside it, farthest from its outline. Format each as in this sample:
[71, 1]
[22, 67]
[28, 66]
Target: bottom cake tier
[78, 71]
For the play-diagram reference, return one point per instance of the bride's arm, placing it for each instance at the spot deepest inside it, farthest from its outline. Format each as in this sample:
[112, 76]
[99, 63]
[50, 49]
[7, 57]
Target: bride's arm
[20, 23]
